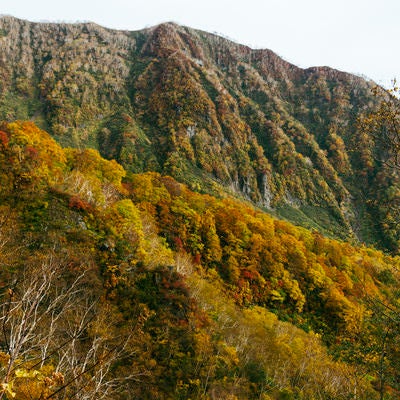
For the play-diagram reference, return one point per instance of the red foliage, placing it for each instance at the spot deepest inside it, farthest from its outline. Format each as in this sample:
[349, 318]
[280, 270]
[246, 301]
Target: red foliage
[241, 283]
[78, 204]
[127, 118]
[4, 139]
[31, 152]
[197, 258]
[181, 285]
[178, 243]
[250, 275]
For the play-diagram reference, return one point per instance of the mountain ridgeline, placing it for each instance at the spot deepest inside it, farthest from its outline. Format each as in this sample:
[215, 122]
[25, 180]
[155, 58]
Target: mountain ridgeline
[213, 114]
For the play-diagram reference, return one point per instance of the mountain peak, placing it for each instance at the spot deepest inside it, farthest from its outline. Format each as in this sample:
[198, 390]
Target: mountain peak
[163, 37]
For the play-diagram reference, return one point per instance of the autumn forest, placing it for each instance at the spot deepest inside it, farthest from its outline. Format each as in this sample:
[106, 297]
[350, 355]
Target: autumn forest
[183, 217]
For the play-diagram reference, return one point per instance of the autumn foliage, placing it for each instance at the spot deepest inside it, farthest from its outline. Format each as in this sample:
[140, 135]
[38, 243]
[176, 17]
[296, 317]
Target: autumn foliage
[176, 294]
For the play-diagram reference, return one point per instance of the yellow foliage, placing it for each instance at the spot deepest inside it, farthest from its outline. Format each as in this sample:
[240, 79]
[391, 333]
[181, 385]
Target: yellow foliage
[90, 163]
[147, 188]
[27, 383]
[32, 157]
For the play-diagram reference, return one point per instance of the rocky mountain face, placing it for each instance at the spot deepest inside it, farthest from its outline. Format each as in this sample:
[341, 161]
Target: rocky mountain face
[214, 114]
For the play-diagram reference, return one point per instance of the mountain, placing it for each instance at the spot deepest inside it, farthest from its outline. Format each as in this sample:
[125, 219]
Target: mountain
[142, 175]
[214, 114]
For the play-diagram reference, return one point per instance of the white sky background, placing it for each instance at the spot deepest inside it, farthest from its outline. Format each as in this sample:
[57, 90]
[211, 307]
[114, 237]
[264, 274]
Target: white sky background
[358, 36]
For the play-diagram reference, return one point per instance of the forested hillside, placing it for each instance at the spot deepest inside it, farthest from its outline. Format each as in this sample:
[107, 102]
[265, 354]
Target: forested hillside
[211, 113]
[121, 285]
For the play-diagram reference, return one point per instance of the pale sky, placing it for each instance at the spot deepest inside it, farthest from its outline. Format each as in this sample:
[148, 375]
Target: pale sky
[358, 36]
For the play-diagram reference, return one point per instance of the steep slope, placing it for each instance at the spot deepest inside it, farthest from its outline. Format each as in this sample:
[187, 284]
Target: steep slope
[212, 113]
[137, 287]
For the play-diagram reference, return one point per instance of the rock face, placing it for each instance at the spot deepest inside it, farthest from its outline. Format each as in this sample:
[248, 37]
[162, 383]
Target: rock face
[212, 113]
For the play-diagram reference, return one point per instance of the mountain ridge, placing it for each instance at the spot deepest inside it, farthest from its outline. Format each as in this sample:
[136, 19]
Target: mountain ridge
[214, 114]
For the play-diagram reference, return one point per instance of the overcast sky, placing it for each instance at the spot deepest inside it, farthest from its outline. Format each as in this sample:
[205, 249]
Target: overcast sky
[358, 36]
